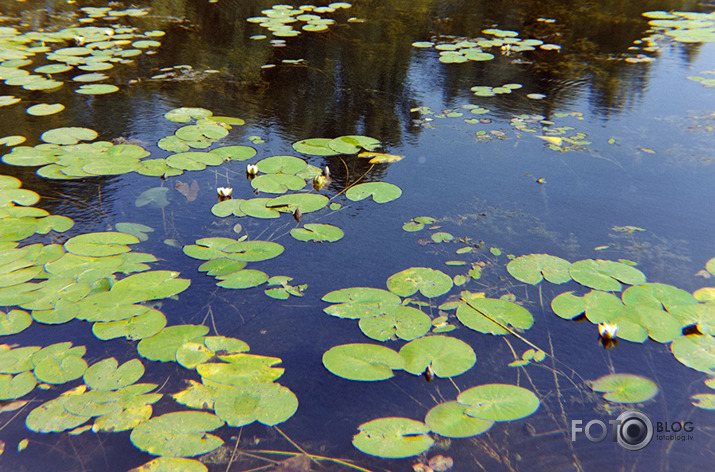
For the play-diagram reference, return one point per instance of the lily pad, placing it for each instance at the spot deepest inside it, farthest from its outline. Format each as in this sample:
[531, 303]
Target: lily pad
[605, 275]
[406, 323]
[696, 352]
[240, 369]
[381, 192]
[625, 388]
[16, 386]
[450, 420]
[364, 362]
[253, 251]
[178, 434]
[499, 402]
[246, 278]
[307, 202]
[237, 153]
[281, 164]
[171, 464]
[430, 282]
[162, 346]
[97, 89]
[393, 438]
[135, 328]
[315, 147]
[360, 302]
[317, 232]
[533, 268]
[353, 144]
[13, 322]
[71, 135]
[52, 417]
[447, 356]
[44, 109]
[107, 375]
[277, 183]
[268, 403]
[186, 114]
[488, 315]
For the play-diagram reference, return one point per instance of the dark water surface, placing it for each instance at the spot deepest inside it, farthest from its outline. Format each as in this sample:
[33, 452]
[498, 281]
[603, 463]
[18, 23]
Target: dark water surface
[655, 173]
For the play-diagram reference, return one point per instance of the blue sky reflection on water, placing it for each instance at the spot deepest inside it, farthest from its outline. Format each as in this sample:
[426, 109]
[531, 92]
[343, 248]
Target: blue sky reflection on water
[484, 189]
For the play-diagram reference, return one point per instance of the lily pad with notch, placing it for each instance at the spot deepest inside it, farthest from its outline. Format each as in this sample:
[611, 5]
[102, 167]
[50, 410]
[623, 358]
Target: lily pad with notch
[363, 362]
[499, 402]
[381, 192]
[448, 357]
[393, 438]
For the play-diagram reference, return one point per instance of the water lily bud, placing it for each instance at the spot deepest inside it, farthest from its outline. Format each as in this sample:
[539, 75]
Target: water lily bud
[251, 169]
[607, 330]
[224, 191]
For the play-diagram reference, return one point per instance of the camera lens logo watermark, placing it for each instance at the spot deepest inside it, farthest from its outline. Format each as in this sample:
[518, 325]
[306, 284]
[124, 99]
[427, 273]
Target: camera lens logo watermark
[632, 430]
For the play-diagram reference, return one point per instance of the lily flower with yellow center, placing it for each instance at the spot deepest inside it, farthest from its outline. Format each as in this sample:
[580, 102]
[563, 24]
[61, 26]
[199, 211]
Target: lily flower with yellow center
[607, 330]
[251, 169]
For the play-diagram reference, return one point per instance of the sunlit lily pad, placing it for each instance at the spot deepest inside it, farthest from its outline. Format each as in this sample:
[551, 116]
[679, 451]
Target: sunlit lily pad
[239, 369]
[353, 144]
[381, 192]
[186, 114]
[253, 251]
[256, 207]
[171, 464]
[44, 109]
[16, 386]
[281, 164]
[406, 323]
[696, 352]
[315, 147]
[70, 135]
[246, 278]
[625, 388]
[430, 282]
[450, 420]
[150, 285]
[268, 403]
[100, 244]
[14, 321]
[134, 328]
[162, 347]
[393, 438]
[488, 315]
[178, 434]
[317, 232]
[533, 268]
[108, 375]
[97, 89]
[307, 202]
[52, 417]
[237, 153]
[605, 275]
[277, 183]
[360, 302]
[599, 307]
[365, 362]
[499, 402]
[447, 356]
[705, 401]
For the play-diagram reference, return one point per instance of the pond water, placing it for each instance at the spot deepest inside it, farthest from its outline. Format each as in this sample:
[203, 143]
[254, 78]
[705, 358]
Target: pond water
[582, 130]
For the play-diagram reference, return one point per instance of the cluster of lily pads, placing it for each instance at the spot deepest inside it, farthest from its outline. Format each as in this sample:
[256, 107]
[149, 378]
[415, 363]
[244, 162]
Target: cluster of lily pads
[90, 49]
[96, 277]
[64, 156]
[279, 18]
[458, 50]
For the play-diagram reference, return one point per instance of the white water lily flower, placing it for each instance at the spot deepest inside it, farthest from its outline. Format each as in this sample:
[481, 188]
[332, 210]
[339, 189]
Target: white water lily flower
[607, 330]
[224, 191]
[251, 169]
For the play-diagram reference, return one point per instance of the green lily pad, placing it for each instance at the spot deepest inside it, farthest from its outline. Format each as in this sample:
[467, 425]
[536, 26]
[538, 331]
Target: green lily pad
[256, 207]
[533, 268]
[488, 315]
[705, 401]
[162, 346]
[106, 375]
[315, 147]
[599, 307]
[59, 368]
[696, 352]
[381, 192]
[364, 362]
[178, 434]
[605, 275]
[499, 402]
[281, 164]
[52, 417]
[137, 230]
[201, 131]
[657, 296]
[228, 207]
[44, 109]
[317, 232]
[134, 328]
[193, 160]
[441, 237]
[246, 278]
[13, 322]
[360, 302]
[268, 403]
[253, 251]
[16, 386]
[171, 464]
[97, 89]
[186, 114]
[353, 144]
[14, 361]
[625, 388]
[450, 420]
[406, 323]
[150, 285]
[277, 183]
[71, 135]
[307, 202]
[236, 153]
[430, 282]
[240, 369]
[447, 356]
[393, 438]
[221, 266]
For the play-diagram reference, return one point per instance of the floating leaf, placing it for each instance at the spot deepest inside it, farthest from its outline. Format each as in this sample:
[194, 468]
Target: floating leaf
[447, 356]
[396, 320]
[450, 420]
[13, 322]
[277, 183]
[380, 158]
[281, 164]
[171, 464]
[106, 375]
[365, 362]
[268, 403]
[133, 328]
[238, 153]
[315, 147]
[488, 315]
[317, 232]
[71, 135]
[441, 237]
[241, 368]
[353, 144]
[605, 275]
[381, 192]
[307, 202]
[16, 386]
[52, 417]
[247, 278]
[178, 434]
[533, 268]
[705, 401]
[360, 302]
[44, 109]
[393, 438]
[430, 283]
[162, 347]
[625, 388]
[185, 114]
[253, 251]
[499, 402]
[696, 352]
[97, 89]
